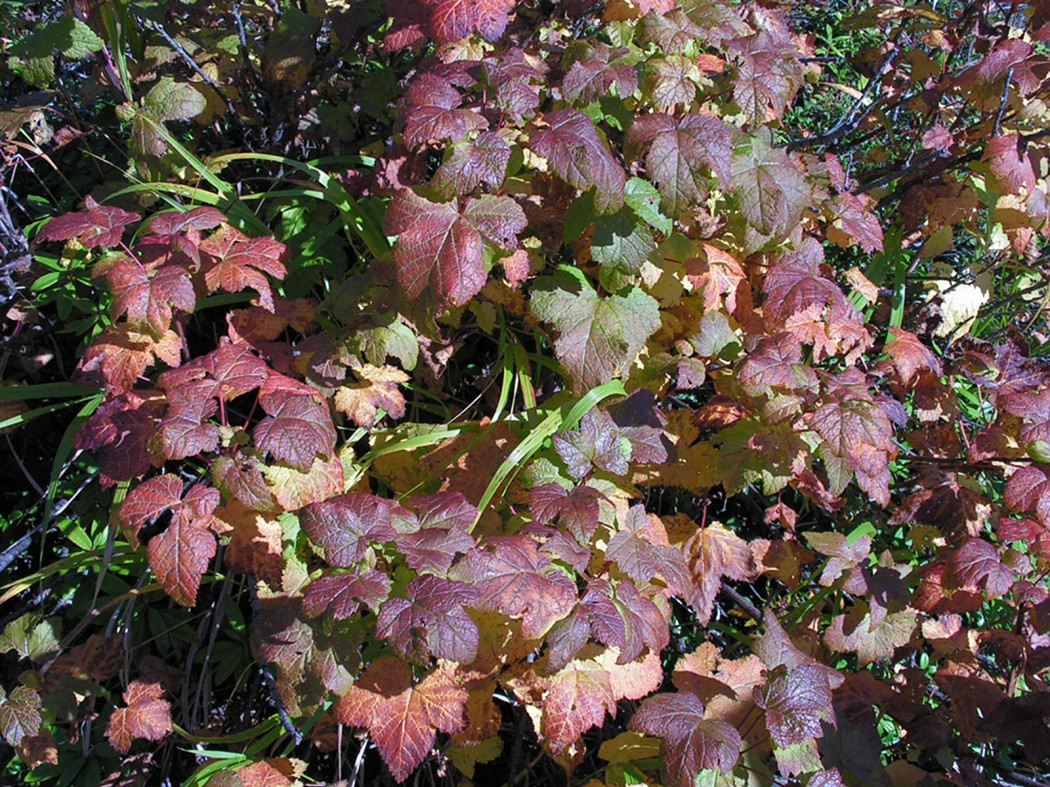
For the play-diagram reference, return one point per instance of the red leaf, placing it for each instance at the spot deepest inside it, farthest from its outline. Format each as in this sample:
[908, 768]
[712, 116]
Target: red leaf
[579, 157]
[297, 428]
[777, 363]
[858, 437]
[431, 621]
[716, 551]
[346, 526]
[146, 716]
[798, 299]
[482, 161]
[183, 431]
[121, 354]
[768, 76]
[167, 226]
[854, 222]
[402, 716]
[599, 69]
[149, 297]
[624, 619]
[577, 698]
[442, 245]
[1028, 490]
[642, 552]
[97, 226]
[770, 187]
[513, 577]
[681, 154]
[978, 564]
[432, 113]
[119, 431]
[597, 443]
[237, 262]
[180, 555]
[796, 700]
[691, 742]
[909, 357]
[343, 594]
[452, 20]
[577, 510]
[19, 714]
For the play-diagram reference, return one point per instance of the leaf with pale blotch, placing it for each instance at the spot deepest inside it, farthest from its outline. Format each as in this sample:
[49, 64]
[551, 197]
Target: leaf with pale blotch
[32, 638]
[431, 621]
[19, 714]
[234, 262]
[641, 550]
[671, 81]
[854, 222]
[598, 337]
[858, 438]
[441, 245]
[714, 552]
[167, 100]
[596, 443]
[770, 187]
[240, 476]
[514, 577]
[293, 489]
[402, 716]
[375, 390]
[854, 633]
[577, 698]
[255, 541]
[146, 716]
[623, 618]
[768, 76]
[579, 156]
[796, 701]
[691, 742]
[343, 594]
[681, 155]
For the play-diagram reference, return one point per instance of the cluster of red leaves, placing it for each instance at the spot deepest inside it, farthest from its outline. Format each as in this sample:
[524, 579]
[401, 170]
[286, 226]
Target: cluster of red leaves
[697, 245]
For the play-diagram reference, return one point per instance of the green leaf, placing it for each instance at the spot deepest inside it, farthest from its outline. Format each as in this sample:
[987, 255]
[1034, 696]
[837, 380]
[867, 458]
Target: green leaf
[643, 198]
[621, 242]
[33, 57]
[598, 338]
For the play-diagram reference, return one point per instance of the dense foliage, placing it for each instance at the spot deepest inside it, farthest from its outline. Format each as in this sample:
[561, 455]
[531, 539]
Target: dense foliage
[648, 391]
